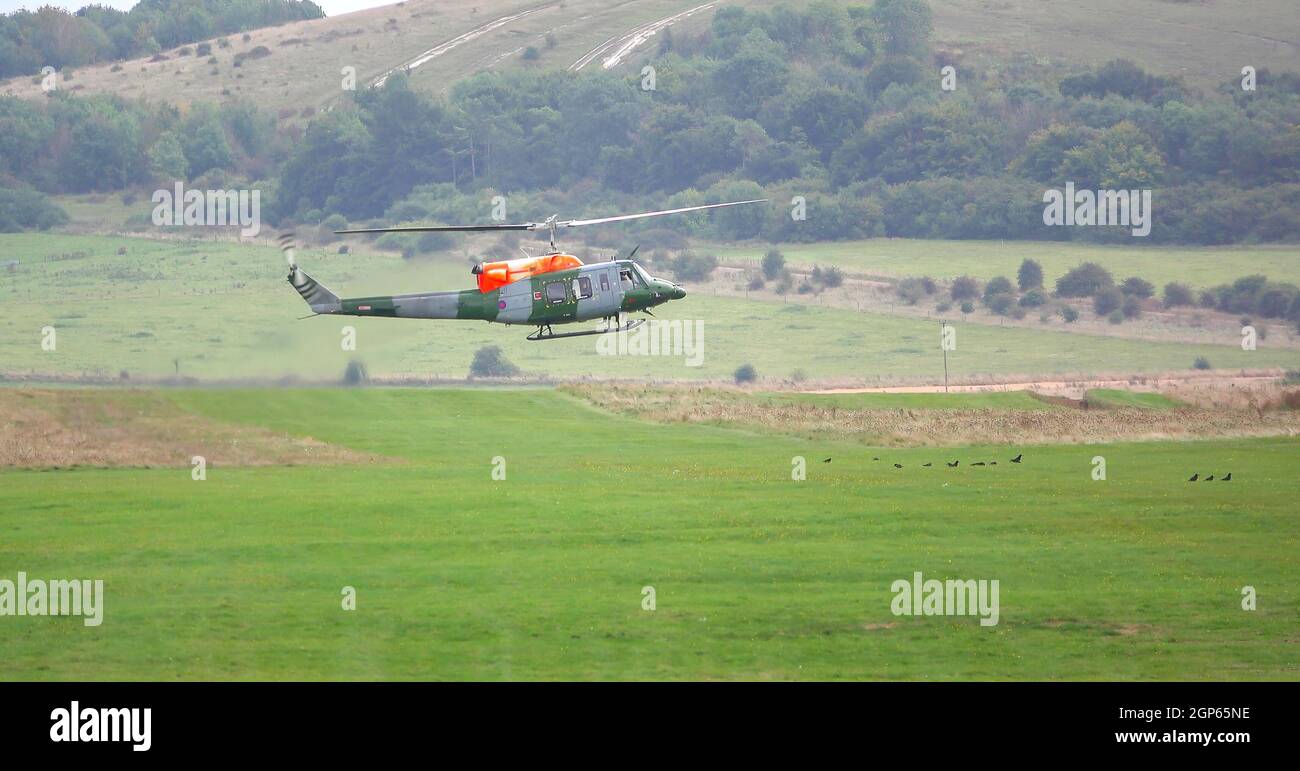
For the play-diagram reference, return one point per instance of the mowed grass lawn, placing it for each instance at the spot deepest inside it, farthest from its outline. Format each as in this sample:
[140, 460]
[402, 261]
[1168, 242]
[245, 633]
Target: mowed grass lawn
[216, 310]
[541, 575]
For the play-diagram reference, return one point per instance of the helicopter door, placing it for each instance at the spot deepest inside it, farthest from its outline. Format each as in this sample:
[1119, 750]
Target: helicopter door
[556, 293]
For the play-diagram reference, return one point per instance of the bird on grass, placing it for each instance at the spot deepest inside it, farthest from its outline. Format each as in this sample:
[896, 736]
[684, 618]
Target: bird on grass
[993, 463]
[1227, 477]
[978, 463]
[898, 465]
[953, 464]
[1210, 478]
[926, 465]
[1194, 477]
[1017, 458]
[875, 458]
[826, 460]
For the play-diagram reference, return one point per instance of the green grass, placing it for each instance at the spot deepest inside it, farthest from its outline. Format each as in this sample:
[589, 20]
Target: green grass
[540, 575]
[221, 310]
[1113, 397]
[899, 257]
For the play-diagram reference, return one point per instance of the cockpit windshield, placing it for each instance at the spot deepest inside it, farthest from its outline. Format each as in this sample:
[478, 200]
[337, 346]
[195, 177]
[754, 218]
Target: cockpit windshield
[629, 276]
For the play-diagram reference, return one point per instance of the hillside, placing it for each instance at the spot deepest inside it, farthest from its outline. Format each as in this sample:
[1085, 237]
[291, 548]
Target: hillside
[1206, 42]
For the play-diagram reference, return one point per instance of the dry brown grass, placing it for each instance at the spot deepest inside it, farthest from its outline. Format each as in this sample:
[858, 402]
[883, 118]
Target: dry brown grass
[43, 428]
[934, 427]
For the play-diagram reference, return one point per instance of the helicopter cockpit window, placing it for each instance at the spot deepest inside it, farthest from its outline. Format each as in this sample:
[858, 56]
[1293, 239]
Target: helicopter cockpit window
[629, 278]
[582, 287]
[555, 292]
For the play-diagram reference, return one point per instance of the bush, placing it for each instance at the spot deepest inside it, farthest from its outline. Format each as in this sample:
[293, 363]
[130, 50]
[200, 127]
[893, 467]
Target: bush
[489, 361]
[997, 285]
[204, 49]
[22, 209]
[1032, 299]
[1176, 294]
[910, 290]
[773, 264]
[1132, 307]
[746, 373]
[355, 374]
[1069, 314]
[831, 278]
[1201, 363]
[1000, 303]
[1107, 300]
[1086, 280]
[755, 283]
[689, 266]
[1115, 317]
[964, 288]
[968, 307]
[1137, 287]
[531, 54]
[1030, 275]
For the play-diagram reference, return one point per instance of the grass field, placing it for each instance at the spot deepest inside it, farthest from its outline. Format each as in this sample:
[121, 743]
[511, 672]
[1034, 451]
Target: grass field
[899, 257]
[217, 310]
[541, 575]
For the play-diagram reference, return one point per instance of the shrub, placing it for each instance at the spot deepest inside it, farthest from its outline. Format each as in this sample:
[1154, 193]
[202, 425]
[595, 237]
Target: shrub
[1177, 294]
[831, 278]
[1069, 314]
[355, 374]
[964, 288]
[755, 283]
[1201, 363]
[1137, 287]
[746, 373]
[910, 290]
[968, 307]
[1132, 307]
[1086, 280]
[997, 285]
[1030, 275]
[1115, 317]
[773, 264]
[1032, 299]
[531, 54]
[204, 49]
[489, 361]
[22, 209]
[1000, 303]
[1107, 300]
[689, 266]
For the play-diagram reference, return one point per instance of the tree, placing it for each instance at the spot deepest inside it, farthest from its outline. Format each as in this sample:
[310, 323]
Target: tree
[773, 264]
[996, 286]
[1177, 294]
[489, 361]
[1085, 280]
[745, 373]
[1107, 300]
[964, 288]
[1030, 275]
[1137, 287]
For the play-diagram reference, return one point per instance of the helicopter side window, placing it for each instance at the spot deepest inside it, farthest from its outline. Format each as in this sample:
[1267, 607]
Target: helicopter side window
[582, 287]
[555, 292]
[629, 279]
[604, 282]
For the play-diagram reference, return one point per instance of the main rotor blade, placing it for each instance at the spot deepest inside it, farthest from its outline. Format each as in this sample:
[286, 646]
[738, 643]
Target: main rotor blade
[623, 217]
[439, 229]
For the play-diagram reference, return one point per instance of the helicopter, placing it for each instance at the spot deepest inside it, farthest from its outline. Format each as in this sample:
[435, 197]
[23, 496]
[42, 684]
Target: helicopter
[545, 291]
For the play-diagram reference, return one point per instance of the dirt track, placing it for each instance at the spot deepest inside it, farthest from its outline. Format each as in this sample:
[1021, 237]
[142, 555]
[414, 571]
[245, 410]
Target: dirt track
[1072, 388]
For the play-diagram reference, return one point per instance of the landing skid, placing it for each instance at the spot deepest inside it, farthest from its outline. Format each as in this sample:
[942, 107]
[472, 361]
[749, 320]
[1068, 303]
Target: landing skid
[544, 332]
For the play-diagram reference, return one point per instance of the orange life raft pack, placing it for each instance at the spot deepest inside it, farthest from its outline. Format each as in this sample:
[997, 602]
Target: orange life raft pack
[494, 275]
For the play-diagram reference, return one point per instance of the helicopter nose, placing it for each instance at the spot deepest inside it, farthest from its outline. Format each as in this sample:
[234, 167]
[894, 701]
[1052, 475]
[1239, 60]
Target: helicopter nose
[677, 293]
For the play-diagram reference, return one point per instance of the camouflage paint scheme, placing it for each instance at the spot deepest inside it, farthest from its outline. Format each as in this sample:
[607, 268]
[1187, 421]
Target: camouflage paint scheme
[601, 290]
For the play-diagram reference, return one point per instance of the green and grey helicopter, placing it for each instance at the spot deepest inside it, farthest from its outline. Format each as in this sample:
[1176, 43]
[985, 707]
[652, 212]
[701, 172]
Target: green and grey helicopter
[543, 291]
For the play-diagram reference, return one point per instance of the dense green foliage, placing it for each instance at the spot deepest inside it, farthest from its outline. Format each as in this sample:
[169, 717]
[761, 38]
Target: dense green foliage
[838, 106]
[24, 209]
[50, 36]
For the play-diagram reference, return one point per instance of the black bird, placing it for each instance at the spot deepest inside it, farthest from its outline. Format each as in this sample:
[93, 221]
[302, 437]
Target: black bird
[898, 465]
[1210, 478]
[978, 463]
[826, 460]
[993, 463]
[953, 464]
[1227, 477]
[875, 458]
[926, 465]
[1194, 477]
[1017, 458]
